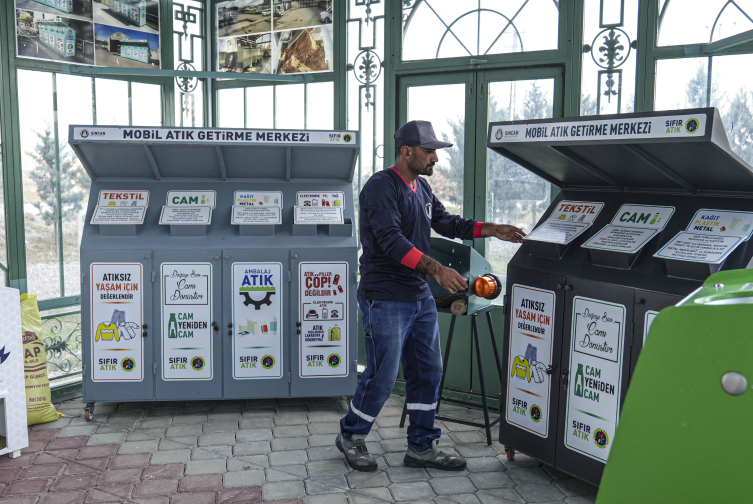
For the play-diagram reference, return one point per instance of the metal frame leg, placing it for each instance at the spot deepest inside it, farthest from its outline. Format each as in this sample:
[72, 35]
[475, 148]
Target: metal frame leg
[484, 402]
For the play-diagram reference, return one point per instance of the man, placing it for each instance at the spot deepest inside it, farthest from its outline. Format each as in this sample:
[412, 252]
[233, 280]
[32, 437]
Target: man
[398, 212]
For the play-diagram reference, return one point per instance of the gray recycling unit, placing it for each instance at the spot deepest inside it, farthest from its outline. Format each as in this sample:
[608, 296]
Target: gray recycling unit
[577, 317]
[180, 304]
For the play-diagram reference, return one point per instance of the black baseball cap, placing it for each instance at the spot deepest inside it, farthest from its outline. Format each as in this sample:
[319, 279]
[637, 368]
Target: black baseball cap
[418, 133]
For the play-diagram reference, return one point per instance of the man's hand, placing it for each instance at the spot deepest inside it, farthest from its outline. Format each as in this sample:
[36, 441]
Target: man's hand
[448, 278]
[504, 232]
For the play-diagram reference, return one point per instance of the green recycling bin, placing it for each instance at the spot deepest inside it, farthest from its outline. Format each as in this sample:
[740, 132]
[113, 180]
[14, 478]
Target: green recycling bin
[684, 433]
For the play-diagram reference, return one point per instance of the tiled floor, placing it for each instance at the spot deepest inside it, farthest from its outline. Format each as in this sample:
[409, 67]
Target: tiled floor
[238, 452]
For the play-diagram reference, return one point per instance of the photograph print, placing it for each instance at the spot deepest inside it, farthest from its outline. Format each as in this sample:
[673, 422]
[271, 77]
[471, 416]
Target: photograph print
[306, 50]
[121, 47]
[246, 54]
[140, 15]
[301, 14]
[241, 17]
[71, 9]
[52, 37]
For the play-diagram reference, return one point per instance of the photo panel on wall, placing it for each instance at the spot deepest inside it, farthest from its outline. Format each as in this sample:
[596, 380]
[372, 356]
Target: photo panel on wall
[120, 47]
[141, 15]
[301, 14]
[71, 9]
[307, 50]
[246, 54]
[241, 17]
[52, 37]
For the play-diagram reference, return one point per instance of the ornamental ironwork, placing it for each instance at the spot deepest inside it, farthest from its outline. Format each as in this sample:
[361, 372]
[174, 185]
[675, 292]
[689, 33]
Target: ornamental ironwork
[62, 345]
[610, 53]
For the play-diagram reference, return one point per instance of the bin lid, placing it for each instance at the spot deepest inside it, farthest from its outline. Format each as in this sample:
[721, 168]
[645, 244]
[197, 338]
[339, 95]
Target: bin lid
[110, 153]
[678, 151]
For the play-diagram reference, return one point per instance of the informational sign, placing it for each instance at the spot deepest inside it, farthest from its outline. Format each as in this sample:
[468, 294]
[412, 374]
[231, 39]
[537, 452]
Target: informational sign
[531, 339]
[320, 199]
[647, 321]
[186, 215]
[123, 198]
[323, 313]
[114, 215]
[318, 215]
[722, 223]
[257, 295]
[609, 130]
[191, 198]
[632, 227]
[569, 220]
[258, 199]
[117, 317]
[255, 215]
[187, 321]
[593, 391]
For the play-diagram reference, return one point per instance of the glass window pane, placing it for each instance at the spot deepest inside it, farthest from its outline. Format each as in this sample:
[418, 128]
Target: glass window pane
[3, 248]
[189, 107]
[514, 195]
[38, 154]
[112, 102]
[260, 107]
[449, 125]
[230, 108]
[320, 106]
[146, 104]
[702, 21]
[448, 28]
[289, 107]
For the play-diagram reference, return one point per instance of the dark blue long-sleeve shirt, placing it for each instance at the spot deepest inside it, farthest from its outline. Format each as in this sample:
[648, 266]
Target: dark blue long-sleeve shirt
[395, 224]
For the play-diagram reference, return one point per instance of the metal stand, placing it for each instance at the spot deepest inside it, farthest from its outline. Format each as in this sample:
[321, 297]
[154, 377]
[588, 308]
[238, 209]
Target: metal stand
[487, 424]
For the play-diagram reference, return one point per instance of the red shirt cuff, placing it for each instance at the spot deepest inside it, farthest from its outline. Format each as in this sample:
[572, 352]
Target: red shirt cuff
[412, 257]
[477, 229]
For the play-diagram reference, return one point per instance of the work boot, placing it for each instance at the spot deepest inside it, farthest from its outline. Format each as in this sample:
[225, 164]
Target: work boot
[434, 458]
[356, 453]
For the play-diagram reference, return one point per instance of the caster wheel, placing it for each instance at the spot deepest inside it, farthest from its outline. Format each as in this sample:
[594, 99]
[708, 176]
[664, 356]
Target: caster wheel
[88, 415]
[510, 454]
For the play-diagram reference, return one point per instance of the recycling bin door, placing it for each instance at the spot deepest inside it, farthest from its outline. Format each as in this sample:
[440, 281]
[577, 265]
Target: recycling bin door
[116, 325]
[188, 346]
[256, 333]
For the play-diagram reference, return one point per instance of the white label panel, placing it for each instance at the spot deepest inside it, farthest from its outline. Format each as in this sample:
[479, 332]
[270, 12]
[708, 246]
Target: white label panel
[318, 215]
[529, 386]
[722, 223]
[620, 239]
[255, 215]
[187, 321]
[323, 312]
[557, 232]
[320, 199]
[706, 248]
[114, 215]
[643, 216]
[257, 320]
[186, 215]
[576, 211]
[117, 312]
[123, 198]
[191, 198]
[258, 199]
[593, 391]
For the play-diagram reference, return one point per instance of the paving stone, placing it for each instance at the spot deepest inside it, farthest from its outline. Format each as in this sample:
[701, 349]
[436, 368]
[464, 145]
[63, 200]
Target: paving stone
[77, 482]
[206, 467]
[35, 446]
[162, 413]
[168, 471]
[28, 499]
[55, 457]
[284, 444]
[467, 437]
[299, 407]
[184, 430]
[244, 436]
[392, 433]
[475, 450]
[256, 423]
[520, 461]
[403, 474]
[202, 483]
[57, 424]
[290, 431]
[336, 466]
[360, 480]
[589, 499]
[106, 439]
[90, 452]
[527, 475]
[283, 490]
[219, 438]
[67, 442]
[128, 476]
[394, 459]
[291, 419]
[539, 492]
[9, 475]
[259, 412]
[149, 500]
[129, 448]
[326, 484]
[287, 473]
[230, 405]
[88, 466]
[575, 488]
[288, 458]
[457, 499]
[73, 497]
[184, 419]
[244, 478]
[115, 428]
[324, 453]
[223, 426]
[135, 406]
[325, 428]
[196, 409]
[450, 485]
[321, 440]
[391, 421]
[253, 448]
[324, 416]
[247, 462]
[179, 443]
[127, 461]
[369, 496]
[146, 435]
[437, 473]
[194, 498]
[125, 416]
[334, 498]
[239, 495]
[394, 445]
[109, 493]
[555, 473]
[156, 487]
[225, 416]
[412, 491]
[170, 457]
[484, 464]
[44, 435]
[31, 486]
[212, 453]
[154, 423]
[487, 480]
